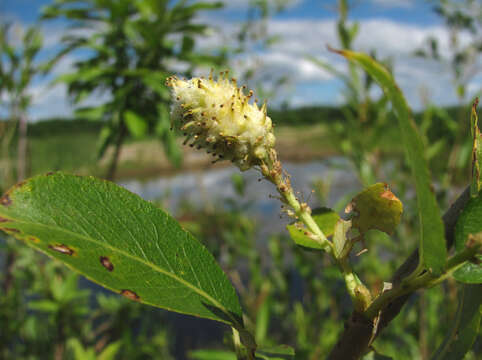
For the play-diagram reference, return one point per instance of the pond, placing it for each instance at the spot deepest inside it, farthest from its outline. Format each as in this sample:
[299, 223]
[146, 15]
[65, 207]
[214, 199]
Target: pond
[210, 188]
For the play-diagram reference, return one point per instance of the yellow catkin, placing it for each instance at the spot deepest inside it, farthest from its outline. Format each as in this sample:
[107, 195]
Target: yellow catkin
[218, 116]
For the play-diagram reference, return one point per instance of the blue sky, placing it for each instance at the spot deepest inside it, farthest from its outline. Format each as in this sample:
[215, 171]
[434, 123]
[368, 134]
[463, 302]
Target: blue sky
[393, 28]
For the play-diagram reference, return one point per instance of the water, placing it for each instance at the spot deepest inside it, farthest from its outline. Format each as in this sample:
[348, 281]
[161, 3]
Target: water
[210, 188]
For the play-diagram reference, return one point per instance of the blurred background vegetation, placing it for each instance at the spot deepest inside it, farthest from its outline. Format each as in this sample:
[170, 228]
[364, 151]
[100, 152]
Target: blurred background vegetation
[289, 294]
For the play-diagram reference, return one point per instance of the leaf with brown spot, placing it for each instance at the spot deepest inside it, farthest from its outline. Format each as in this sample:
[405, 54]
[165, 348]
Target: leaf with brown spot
[376, 207]
[122, 242]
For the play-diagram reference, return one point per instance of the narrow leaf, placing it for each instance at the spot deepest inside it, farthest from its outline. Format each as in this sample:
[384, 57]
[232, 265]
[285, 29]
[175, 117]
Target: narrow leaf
[469, 222]
[432, 250]
[465, 325]
[121, 242]
[212, 355]
[476, 184]
[281, 352]
[136, 124]
[339, 237]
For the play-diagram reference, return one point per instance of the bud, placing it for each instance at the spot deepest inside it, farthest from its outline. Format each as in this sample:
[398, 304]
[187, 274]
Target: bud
[218, 116]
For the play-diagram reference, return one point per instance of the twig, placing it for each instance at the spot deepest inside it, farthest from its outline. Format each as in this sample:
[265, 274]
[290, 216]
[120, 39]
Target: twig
[357, 335]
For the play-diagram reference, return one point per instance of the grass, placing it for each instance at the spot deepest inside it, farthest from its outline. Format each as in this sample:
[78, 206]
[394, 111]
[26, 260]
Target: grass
[76, 152]
[69, 152]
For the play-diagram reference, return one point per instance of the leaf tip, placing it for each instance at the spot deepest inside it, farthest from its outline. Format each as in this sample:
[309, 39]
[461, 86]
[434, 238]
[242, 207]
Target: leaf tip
[336, 51]
[475, 103]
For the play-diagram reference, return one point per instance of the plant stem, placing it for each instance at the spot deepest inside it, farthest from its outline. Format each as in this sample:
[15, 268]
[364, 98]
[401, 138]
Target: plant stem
[273, 172]
[359, 332]
[426, 280]
[242, 353]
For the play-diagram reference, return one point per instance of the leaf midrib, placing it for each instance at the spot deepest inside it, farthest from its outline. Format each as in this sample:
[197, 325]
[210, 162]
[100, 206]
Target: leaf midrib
[136, 258]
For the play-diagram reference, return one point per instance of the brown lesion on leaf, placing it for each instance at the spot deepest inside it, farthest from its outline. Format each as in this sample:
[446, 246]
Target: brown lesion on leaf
[12, 230]
[33, 239]
[3, 220]
[104, 260]
[50, 173]
[19, 184]
[130, 295]
[5, 200]
[63, 249]
[387, 194]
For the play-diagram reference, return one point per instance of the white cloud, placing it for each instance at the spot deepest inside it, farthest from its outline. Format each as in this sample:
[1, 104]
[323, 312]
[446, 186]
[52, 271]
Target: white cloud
[300, 38]
[388, 38]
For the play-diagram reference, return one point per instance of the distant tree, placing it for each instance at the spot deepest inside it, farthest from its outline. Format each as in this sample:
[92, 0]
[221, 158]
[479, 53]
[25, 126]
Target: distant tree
[133, 46]
[17, 70]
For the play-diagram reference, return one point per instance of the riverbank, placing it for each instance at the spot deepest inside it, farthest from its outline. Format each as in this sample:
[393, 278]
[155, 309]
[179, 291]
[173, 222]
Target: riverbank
[145, 159]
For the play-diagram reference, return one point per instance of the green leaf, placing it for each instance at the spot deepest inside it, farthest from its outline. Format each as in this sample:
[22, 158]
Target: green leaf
[136, 124]
[79, 352]
[325, 218]
[110, 351]
[465, 325]
[187, 44]
[93, 113]
[476, 184]
[281, 352]
[263, 315]
[106, 136]
[376, 207]
[212, 355]
[376, 356]
[469, 222]
[433, 252]
[121, 242]
[44, 306]
[339, 237]
[85, 75]
[469, 273]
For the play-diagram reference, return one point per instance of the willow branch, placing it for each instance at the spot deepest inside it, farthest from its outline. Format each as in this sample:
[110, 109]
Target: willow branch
[360, 332]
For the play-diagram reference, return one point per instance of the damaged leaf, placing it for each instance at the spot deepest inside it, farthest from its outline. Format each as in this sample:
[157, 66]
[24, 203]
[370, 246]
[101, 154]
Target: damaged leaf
[376, 207]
